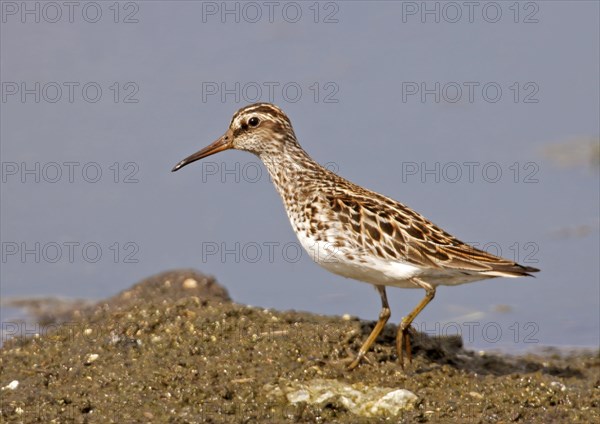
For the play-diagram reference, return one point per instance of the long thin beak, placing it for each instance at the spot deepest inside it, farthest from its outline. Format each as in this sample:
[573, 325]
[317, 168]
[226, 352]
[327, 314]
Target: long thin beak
[223, 143]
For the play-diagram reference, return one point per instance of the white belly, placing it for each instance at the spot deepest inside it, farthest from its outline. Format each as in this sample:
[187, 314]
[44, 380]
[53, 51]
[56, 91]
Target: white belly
[364, 268]
[374, 270]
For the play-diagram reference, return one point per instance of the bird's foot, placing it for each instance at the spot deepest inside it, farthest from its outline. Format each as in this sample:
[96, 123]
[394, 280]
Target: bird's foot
[356, 362]
[403, 343]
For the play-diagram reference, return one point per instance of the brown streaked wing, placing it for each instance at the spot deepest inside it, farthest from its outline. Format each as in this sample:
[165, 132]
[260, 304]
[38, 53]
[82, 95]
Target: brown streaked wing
[410, 236]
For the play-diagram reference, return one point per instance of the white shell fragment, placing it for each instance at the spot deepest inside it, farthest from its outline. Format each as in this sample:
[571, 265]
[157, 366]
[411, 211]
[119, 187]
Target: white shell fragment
[91, 358]
[359, 399]
[12, 385]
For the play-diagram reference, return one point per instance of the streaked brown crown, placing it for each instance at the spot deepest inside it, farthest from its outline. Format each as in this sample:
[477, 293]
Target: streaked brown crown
[261, 128]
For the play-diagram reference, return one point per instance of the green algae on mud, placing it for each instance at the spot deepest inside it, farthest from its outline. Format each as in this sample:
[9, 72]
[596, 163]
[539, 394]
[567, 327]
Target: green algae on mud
[174, 348]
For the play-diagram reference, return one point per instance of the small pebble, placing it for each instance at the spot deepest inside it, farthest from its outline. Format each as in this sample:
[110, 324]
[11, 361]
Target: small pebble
[91, 358]
[190, 283]
[12, 385]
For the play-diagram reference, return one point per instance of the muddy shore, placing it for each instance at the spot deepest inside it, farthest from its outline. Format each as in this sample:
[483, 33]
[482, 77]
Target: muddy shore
[174, 348]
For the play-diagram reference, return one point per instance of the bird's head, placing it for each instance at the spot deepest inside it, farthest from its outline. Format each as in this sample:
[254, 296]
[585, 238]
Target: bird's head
[260, 128]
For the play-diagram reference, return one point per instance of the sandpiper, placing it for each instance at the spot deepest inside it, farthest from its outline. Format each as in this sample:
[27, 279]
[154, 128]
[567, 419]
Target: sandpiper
[352, 231]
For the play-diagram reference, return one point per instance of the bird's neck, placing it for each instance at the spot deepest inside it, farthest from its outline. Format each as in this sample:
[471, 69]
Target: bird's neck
[289, 167]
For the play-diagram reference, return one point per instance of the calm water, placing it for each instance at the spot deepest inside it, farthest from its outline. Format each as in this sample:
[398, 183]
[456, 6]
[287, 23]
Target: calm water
[484, 120]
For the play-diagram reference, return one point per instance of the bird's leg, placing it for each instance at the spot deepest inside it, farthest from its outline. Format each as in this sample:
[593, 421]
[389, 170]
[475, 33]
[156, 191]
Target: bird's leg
[403, 335]
[384, 315]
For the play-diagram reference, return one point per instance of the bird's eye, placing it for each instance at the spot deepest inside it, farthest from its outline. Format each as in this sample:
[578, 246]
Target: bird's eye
[253, 121]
